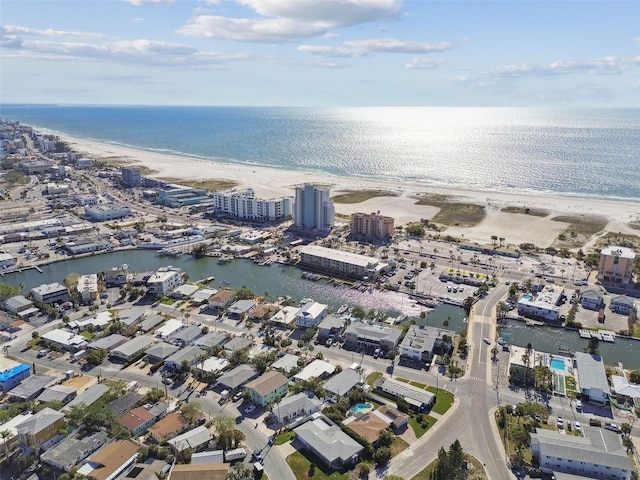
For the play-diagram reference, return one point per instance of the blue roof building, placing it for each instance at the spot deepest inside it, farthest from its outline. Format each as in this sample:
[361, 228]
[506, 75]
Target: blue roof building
[13, 376]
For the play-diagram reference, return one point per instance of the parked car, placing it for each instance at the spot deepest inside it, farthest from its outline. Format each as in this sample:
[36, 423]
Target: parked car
[250, 408]
[237, 396]
[577, 426]
[560, 423]
[579, 405]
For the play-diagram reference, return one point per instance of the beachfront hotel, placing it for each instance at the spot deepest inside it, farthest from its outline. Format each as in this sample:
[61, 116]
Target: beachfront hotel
[313, 209]
[244, 204]
[616, 264]
[371, 226]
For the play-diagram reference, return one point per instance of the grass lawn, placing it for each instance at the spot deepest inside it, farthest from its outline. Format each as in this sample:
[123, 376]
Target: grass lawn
[418, 429]
[300, 462]
[453, 213]
[88, 335]
[534, 212]
[167, 301]
[358, 196]
[444, 400]
[215, 185]
[284, 437]
[418, 384]
[581, 228]
[371, 379]
[398, 446]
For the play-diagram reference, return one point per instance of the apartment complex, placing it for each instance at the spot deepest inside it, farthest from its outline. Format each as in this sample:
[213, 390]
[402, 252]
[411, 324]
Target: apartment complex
[244, 204]
[345, 264]
[371, 226]
[131, 177]
[616, 264]
[313, 209]
[164, 280]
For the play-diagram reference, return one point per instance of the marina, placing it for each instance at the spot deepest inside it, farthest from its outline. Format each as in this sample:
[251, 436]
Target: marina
[603, 335]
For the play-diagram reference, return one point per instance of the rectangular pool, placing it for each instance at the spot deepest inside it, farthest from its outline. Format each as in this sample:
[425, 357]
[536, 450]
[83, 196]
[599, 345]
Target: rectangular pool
[557, 364]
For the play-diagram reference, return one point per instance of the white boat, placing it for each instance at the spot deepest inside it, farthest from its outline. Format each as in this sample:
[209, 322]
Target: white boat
[607, 337]
[584, 333]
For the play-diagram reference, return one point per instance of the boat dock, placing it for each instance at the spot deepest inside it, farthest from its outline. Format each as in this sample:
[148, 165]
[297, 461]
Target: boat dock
[604, 335]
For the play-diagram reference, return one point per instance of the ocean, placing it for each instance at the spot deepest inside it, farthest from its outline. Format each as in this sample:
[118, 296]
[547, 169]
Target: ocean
[571, 152]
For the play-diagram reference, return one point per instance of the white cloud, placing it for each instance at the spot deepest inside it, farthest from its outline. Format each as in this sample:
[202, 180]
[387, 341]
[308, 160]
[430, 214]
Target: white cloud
[289, 21]
[424, 63]
[250, 30]
[138, 20]
[605, 65]
[393, 45]
[360, 48]
[16, 30]
[139, 3]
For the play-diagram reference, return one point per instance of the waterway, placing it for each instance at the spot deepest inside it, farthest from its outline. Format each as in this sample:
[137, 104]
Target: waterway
[280, 280]
[275, 280]
[551, 339]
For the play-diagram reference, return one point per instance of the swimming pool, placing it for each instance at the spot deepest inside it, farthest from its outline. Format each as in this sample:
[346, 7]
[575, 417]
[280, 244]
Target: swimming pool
[527, 297]
[362, 407]
[557, 364]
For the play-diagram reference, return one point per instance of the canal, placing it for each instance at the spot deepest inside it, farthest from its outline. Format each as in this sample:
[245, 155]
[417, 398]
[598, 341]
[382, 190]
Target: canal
[280, 280]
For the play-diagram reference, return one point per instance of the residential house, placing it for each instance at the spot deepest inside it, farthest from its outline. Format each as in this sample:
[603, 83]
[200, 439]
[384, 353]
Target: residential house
[311, 314]
[88, 287]
[261, 312]
[238, 376]
[41, 427]
[190, 355]
[597, 454]
[132, 348]
[622, 304]
[237, 343]
[73, 450]
[267, 387]
[114, 460]
[222, 299]
[160, 351]
[11, 440]
[123, 403]
[330, 325]
[329, 443]
[186, 335]
[370, 337]
[342, 383]
[203, 296]
[287, 364]
[626, 392]
[316, 369]
[168, 427]
[183, 292]
[97, 323]
[57, 393]
[296, 407]
[240, 309]
[369, 424]
[117, 276]
[107, 343]
[213, 365]
[592, 299]
[196, 439]
[88, 397]
[544, 306]
[141, 418]
[592, 377]
[206, 471]
[211, 339]
[64, 339]
[284, 317]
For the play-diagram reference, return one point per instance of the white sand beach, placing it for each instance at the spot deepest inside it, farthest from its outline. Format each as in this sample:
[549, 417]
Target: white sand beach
[271, 182]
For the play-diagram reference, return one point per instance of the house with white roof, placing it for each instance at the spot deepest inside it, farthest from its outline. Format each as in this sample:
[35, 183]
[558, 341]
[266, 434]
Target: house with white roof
[311, 314]
[64, 339]
[284, 317]
[626, 391]
[544, 306]
[622, 304]
[592, 377]
[329, 443]
[195, 440]
[169, 328]
[20, 305]
[316, 369]
[164, 280]
[295, 407]
[50, 293]
[88, 287]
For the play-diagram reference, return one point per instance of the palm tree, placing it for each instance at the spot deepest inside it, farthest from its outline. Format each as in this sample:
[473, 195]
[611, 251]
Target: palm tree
[6, 434]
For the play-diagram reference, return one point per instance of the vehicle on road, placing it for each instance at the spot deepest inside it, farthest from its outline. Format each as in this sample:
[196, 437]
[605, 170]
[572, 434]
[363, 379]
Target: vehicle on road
[250, 409]
[579, 405]
[486, 340]
[167, 381]
[613, 427]
[42, 353]
[376, 352]
[594, 422]
[257, 455]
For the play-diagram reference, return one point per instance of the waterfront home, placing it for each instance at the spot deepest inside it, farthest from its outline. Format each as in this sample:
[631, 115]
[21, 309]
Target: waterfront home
[592, 299]
[20, 305]
[543, 306]
[184, 292]
[222, 299]
[622, 304]
[284, 317]
[330, 325]
[88, 287]
[370, 337]
[328, 442]
[311, 314]
[267, 387]
[592, 377]
[164, 280]
[240, 309]
[50, 293]
[626, 392]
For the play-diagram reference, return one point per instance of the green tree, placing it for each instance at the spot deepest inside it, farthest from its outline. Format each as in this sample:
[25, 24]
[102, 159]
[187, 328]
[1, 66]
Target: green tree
[634, 376]
[7, 291]
[244, 293]
[382, 456]
[223, 423]
[191, 412]
[592, 346]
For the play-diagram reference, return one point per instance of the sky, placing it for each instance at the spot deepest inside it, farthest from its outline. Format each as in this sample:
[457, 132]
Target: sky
[321, 52]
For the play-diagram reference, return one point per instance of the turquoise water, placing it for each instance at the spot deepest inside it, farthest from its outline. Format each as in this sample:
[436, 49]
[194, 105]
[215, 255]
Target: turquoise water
[493, 149]
[527, 297]
[361, 407]
[557, 364]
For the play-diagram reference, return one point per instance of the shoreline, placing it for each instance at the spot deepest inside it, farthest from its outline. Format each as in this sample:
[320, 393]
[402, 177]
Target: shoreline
[272, 182]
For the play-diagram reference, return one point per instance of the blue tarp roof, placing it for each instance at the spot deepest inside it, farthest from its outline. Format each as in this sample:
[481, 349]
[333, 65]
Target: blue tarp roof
[12, 372]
